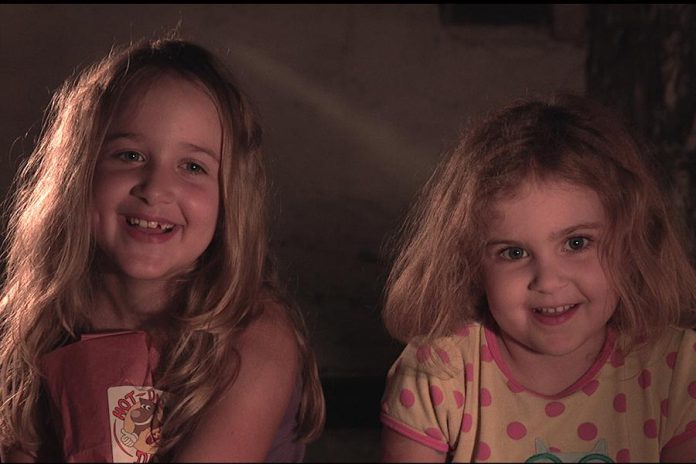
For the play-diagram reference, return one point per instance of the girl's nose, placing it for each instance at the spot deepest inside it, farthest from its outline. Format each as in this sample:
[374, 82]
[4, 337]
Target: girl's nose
[155, 185]
[548, 276]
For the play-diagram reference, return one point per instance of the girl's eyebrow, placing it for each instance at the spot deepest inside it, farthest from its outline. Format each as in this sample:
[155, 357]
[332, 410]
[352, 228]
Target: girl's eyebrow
[496, 242]
[212, 153]
[574, 228]
[120, 135]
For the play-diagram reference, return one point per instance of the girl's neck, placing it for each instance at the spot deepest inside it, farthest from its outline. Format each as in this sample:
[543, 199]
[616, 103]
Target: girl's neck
[546, 374]
[130, 304]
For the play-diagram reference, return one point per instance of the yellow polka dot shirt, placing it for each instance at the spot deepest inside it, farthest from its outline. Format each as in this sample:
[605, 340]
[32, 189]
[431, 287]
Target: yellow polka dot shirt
[457, 396]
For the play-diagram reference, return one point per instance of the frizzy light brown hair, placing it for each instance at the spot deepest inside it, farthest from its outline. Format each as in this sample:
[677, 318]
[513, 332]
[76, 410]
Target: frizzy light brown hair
[435, 283]
[50, 252]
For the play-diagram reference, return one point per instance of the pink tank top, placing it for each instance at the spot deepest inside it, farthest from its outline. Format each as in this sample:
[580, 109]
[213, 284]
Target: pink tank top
[91, 428]
[286, 447]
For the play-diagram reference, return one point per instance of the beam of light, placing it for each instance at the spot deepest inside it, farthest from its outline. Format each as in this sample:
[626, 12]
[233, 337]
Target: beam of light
[396, 156]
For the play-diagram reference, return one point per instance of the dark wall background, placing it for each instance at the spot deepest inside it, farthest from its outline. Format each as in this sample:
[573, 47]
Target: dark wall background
[358, 102]
[642, 62]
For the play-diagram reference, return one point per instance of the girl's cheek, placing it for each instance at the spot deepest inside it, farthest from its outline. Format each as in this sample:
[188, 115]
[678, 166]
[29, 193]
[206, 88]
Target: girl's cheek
[94, 218]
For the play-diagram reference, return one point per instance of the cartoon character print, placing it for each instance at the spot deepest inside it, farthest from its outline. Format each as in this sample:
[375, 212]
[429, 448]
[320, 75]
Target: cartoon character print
[543, 454]
[141, 426]
[136, 422]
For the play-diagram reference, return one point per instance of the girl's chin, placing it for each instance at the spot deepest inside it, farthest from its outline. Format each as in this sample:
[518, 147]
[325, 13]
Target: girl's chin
[132, 272]
[129, 266]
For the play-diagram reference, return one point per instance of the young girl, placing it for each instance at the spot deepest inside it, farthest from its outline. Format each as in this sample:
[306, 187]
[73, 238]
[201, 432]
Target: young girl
[137, 255]
[541, 285]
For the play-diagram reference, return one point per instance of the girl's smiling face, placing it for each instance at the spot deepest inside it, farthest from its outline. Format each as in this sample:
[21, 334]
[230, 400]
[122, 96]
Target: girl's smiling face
[545, 286]
[156, 192]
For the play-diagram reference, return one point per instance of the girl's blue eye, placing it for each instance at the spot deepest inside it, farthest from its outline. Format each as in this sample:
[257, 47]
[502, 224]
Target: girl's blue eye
[514, 253]
[130, 156]
[194, 168]
[577, 243]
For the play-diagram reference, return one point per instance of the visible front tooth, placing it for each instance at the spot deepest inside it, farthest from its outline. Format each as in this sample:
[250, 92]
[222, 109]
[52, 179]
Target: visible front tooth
[149, 224]
[555, 310]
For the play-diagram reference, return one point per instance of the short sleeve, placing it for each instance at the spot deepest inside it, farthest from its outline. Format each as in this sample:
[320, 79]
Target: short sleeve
[424, 393]
[680, 405]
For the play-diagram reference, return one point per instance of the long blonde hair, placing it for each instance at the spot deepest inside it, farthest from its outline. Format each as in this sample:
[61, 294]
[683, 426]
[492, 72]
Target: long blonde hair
[50, 252]
[435, 283]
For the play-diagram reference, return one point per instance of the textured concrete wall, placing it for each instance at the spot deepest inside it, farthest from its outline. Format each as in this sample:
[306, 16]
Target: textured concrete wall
[358, 101]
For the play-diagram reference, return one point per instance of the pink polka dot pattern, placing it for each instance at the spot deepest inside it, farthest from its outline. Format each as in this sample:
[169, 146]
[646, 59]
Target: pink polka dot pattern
[436, 395]
[620, 403]
[617, 359]
[692, 389]
[587, 431]
[458, 398]
[467, 422]
[554, 409]
[553, 449]
[407, 398]
[486, 354]
[664, 407]
[464, 331]
[671, 358]
[485, 397]
[483, 451]
[423, 353]
[516, 430]
[469, 372]
[623, 455]
[590, 387]
[650, 428]
[434, 433]
[514, 387]
[442, 354]
[645, 379]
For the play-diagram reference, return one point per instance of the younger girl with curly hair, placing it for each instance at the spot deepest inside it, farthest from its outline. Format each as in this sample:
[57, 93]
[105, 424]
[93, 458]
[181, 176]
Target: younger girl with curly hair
[546, 298]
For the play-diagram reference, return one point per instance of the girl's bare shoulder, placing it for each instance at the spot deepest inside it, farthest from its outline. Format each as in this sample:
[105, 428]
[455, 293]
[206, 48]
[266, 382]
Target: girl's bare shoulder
[242, 424]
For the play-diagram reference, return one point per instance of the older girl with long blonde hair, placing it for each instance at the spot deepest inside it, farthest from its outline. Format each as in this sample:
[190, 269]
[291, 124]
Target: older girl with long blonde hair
[545, 294]
[141, 213]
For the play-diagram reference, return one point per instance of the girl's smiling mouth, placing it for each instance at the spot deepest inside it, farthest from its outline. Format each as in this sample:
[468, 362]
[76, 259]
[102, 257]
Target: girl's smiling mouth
[151, 225]
[555, 315]
[148, 230]
[555, 311]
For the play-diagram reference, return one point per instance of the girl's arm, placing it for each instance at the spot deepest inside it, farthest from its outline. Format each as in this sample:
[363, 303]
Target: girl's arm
[682, 452]
[397, 448]
[243, 424]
